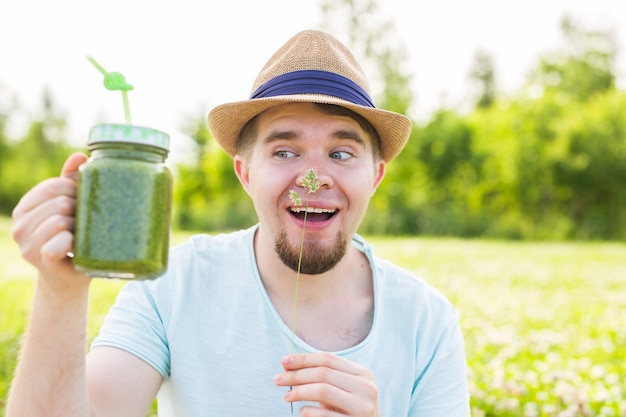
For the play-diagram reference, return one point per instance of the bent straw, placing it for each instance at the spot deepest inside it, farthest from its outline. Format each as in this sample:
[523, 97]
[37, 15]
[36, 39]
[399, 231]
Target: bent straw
[115, 81]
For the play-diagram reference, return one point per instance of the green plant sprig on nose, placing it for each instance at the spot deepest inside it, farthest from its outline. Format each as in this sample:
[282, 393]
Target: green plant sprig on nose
[311, 183]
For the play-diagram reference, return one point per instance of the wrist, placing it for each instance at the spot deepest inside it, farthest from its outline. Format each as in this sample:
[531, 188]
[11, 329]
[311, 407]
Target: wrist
[59, 293]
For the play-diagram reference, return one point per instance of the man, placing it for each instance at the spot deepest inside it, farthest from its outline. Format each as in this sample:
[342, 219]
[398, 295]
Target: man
[213, 335]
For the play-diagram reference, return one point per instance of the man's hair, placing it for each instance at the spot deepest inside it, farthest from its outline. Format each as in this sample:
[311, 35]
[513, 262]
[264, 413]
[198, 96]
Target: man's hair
[248, 133]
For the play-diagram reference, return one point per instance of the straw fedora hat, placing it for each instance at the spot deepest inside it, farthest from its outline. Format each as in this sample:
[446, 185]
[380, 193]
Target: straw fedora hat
[311, 67]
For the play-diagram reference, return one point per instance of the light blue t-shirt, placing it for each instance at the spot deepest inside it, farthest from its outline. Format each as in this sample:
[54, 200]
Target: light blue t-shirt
[209, 328]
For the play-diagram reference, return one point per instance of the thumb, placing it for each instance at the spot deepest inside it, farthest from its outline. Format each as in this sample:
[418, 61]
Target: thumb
[70, 167]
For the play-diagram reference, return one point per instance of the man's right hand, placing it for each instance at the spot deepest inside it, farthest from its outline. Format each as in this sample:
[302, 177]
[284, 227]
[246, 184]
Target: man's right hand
[52, 376]
[43, 227]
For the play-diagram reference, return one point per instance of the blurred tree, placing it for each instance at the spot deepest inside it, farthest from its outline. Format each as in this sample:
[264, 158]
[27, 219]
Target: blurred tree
[39, 154]
[582, 144]
[207, 193]
[7, 103]
[191, 188]
[482, 76]
[591, 171]
[451, 170]
[513, 146]
[584, 66]
[554, 159]
[445, 144]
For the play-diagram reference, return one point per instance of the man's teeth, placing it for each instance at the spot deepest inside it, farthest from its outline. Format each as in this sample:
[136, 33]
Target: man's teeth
[311, 210]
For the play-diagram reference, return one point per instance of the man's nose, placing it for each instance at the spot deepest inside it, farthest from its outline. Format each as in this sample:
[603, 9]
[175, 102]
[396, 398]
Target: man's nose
[324, 178]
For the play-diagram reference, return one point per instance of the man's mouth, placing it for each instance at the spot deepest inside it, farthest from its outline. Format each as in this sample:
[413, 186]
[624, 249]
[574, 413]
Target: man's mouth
[313, 214]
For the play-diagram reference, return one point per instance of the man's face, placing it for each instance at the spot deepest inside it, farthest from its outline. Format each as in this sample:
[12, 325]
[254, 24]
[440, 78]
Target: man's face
[292, 138]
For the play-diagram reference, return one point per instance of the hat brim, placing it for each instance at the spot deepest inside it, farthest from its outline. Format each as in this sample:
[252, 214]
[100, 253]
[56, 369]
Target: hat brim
[227, 120]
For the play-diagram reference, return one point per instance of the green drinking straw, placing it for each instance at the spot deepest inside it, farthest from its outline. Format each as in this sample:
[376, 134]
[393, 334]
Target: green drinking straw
[115, 81]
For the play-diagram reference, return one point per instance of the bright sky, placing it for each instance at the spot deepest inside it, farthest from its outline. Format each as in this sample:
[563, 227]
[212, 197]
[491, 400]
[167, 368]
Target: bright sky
[186, 56]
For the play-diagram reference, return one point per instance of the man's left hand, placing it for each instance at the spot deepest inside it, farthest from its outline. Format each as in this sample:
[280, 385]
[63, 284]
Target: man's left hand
[341, 387]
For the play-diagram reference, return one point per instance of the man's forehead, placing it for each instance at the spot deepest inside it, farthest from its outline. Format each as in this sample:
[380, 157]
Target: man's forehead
[291, 117]
[288, 108]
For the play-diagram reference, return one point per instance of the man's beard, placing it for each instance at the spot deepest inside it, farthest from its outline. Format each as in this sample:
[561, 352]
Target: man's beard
[316, 259]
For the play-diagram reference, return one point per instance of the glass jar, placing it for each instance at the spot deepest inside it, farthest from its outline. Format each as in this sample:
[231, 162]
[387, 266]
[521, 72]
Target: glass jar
[124, 204]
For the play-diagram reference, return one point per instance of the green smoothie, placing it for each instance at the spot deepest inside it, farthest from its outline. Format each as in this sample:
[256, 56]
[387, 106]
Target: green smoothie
[123, 207]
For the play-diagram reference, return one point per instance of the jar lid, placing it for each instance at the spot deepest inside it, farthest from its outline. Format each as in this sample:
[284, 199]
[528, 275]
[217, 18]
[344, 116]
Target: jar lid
[110, 132]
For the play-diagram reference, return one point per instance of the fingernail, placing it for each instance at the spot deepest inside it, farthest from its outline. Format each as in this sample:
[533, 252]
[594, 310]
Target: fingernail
[278, 378]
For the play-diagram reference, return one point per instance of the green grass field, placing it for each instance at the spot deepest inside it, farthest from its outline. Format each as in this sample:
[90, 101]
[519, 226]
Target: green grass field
[544, 323]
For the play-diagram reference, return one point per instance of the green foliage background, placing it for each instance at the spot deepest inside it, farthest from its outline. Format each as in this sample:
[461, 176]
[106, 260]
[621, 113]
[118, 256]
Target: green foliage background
[546, 162]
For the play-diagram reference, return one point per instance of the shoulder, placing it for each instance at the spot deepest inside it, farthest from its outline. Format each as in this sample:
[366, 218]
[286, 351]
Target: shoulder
[205, 260]
[204, 265]
[401, 282]
[402, 291]
[220, 245]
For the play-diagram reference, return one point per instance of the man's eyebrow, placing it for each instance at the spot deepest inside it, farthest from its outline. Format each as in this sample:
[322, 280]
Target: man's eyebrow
[275, 135]
[292, 134]
[350, 134]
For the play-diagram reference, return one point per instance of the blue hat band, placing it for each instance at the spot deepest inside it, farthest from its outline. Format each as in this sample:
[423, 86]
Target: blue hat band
[314, 82]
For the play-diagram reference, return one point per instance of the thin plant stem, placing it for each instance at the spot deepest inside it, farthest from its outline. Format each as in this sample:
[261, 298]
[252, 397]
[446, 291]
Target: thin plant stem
[311, 183]
[295, 298]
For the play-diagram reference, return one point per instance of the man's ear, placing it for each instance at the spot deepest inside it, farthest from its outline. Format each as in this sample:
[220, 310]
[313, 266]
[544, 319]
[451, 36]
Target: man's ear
[242, 173]
[379, 174]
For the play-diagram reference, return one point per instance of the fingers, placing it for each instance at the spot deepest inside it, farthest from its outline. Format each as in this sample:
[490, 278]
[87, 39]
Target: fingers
[70, 167]
[44, 192]
[43, 220]
[52, 187]
[337, 384]
[323, 367]
[57, 246]
[329, 397]
[45, 232]
[47, 205]
[309, 360]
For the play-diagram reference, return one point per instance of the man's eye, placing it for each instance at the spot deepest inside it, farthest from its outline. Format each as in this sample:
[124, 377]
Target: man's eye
[341, 155]
[285, 154]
